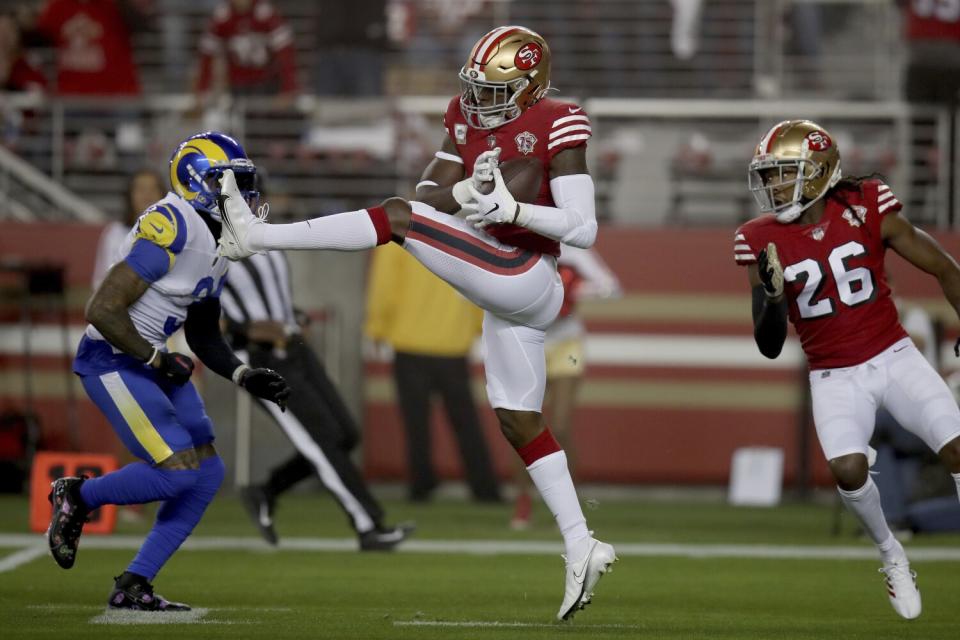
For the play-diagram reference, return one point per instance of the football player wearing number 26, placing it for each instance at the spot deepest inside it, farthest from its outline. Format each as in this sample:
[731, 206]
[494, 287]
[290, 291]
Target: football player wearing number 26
[169, 276]
[502, 256]
[817, 258]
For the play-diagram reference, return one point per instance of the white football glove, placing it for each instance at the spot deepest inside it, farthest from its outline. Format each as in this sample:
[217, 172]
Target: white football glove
[484, 165]
[771, 272]
[483, 168]
[497, 207]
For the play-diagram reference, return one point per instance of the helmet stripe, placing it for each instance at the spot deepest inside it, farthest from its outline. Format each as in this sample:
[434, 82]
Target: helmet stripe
[771, 137]
[491, 47]
[479, 46]
[475, 56]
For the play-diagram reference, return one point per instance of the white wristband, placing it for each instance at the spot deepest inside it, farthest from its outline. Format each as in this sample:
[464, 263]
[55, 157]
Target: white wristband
[238, 373]
[152, 357]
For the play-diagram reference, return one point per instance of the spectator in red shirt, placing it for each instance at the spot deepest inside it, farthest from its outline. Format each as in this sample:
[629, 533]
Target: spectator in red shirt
[16, 75]
[93, 51]
[16, 72]
[258, 47]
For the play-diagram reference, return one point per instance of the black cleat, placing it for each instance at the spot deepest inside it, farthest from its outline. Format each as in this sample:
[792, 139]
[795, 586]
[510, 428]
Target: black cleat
[132, 591]
[66, 524]
[259, 506]
[385, 538]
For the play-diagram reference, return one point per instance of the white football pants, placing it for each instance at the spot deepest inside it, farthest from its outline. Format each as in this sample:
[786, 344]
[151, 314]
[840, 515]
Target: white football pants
[520, 291]
[845, 401]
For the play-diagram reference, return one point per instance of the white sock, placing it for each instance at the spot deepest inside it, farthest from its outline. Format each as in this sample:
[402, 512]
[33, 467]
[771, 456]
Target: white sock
[350, 231]
[865, 504]
[956, 478]
[552, 479]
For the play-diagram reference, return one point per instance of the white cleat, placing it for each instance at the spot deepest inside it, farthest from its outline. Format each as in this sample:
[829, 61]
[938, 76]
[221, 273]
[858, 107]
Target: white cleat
[902, 588]
[237, 219]
[583, 576]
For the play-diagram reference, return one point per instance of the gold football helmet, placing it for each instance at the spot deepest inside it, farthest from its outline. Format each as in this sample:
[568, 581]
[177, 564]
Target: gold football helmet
[797, 153]
[507, 71]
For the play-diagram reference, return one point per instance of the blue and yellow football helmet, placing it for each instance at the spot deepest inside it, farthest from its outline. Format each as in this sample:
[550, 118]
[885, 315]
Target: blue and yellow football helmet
[198, 163]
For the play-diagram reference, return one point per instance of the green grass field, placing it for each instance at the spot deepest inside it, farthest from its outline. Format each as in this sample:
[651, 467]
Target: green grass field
[424, 593]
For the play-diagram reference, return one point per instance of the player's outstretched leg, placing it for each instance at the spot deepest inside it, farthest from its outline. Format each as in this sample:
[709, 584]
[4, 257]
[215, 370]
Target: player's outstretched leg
[862, 498]
[244, 234]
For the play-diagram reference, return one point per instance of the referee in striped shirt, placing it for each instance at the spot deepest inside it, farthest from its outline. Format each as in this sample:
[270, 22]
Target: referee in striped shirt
[262, 324]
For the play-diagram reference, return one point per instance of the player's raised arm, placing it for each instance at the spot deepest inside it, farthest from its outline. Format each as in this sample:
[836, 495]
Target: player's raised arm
[923, 252]
[769, 304]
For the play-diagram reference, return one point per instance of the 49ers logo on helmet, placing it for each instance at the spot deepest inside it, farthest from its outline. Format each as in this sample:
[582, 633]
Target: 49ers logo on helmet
[528, 56]
[818, 141]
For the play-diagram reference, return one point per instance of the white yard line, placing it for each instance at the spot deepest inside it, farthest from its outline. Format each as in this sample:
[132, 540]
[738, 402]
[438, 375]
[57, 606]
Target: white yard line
[493, 624]
[486, 547]
[18, 558]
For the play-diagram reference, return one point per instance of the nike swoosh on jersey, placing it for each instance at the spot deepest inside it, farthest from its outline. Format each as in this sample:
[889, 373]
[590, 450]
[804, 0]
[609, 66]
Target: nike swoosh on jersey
[574, 109]
[156, 228]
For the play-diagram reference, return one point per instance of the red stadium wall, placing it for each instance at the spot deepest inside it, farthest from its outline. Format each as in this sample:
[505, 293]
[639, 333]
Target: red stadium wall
[638, 422]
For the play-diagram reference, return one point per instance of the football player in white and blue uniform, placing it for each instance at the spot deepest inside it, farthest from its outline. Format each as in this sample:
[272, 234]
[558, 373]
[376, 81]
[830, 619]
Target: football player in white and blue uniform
[169, 276]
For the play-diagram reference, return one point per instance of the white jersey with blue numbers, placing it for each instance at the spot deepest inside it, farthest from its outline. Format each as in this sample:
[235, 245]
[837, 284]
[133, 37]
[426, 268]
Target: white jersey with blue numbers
[172, 248]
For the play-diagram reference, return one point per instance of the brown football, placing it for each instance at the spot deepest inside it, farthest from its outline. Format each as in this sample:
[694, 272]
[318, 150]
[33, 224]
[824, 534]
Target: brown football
[522, 176]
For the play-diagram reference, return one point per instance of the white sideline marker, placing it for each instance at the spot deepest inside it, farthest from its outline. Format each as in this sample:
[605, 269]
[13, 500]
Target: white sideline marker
[127, 617]
[29, 549]
[494, 624]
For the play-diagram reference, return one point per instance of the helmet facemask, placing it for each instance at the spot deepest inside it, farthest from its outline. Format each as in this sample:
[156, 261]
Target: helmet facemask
[790, 172]
[488, 105]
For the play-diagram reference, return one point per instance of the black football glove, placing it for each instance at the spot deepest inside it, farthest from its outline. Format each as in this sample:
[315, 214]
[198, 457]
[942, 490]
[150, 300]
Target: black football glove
[267, 384]
[175, 367]
[771, 272]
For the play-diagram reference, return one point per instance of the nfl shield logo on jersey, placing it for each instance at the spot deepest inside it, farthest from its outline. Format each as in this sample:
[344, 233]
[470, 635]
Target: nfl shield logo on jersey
[855, 215]
[818, 234]
[460, 133]
[525, 142]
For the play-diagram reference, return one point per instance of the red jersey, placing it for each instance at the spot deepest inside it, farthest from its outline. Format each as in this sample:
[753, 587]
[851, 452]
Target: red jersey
[94, 56]
[542, 131]
[258, 46]
[24, 77]
[834, 278]
[933, 20]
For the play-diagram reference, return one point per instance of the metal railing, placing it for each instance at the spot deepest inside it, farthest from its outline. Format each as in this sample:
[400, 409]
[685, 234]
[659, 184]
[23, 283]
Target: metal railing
[654, 161]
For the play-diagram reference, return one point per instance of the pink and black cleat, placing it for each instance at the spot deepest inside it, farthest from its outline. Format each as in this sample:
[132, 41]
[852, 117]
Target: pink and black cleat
[69, 516]
[134, 592]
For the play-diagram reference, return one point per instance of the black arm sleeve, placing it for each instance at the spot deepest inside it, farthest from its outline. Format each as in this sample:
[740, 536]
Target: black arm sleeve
[769, 323]
[202, 329]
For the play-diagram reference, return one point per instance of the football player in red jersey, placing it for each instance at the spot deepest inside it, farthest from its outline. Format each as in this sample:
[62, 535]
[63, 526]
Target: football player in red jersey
[502, 256]
[817, 258]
